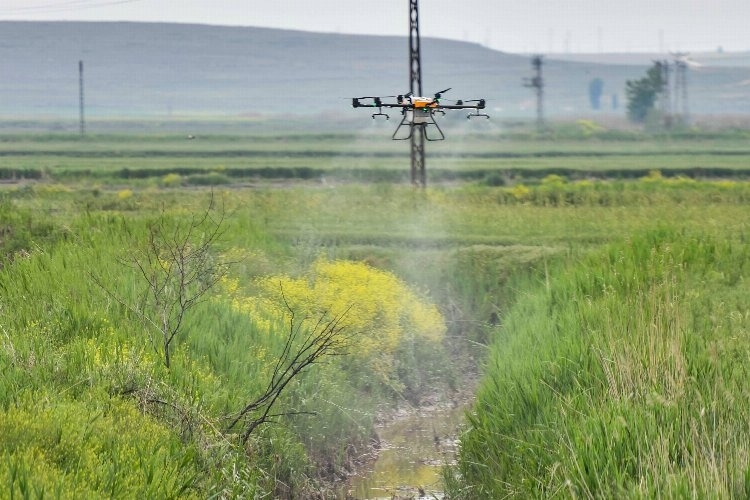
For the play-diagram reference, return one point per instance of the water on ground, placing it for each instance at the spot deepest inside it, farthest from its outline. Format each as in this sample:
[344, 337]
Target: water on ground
[415, 444]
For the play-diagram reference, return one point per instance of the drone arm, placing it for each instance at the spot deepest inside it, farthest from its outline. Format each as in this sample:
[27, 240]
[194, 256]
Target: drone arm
[479, 104]
[376, 102]
[357, 102]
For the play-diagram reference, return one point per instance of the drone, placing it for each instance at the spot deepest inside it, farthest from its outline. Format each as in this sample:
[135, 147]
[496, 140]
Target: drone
[418, 111]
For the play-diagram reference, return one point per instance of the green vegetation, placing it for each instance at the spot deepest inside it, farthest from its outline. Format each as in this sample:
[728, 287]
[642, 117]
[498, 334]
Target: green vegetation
[643, 93]
[580, 150]
[613, 307]
[624, 375]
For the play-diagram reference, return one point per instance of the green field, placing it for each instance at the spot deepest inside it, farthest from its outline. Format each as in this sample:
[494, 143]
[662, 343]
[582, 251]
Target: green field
[577, 151]
[595, 280]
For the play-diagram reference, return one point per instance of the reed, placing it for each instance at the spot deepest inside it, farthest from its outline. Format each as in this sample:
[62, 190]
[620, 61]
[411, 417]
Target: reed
[622, 376]
[617, 336]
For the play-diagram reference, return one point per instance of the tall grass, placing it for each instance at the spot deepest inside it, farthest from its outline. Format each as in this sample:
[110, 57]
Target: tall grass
[85, 407]
[69, 350]
[622, 376]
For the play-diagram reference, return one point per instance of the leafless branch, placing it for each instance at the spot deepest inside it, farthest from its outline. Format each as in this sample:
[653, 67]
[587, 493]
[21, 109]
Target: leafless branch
[304, 346]
[177, 267]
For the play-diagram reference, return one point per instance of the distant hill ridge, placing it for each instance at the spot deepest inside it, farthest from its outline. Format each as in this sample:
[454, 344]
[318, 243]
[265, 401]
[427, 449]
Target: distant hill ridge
[162, 70]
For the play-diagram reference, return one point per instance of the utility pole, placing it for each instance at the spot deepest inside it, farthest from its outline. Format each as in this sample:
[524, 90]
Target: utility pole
[417, 111]
[664, 95]
[681, 86]
[537, 82]
[418, 176]
[82, 126]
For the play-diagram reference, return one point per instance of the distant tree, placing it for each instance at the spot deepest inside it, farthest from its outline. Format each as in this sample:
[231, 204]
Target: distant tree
[596, 88]
[642, 94]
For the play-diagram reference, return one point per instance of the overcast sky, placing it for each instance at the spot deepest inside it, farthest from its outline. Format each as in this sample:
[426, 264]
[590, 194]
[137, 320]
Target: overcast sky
[510, 25]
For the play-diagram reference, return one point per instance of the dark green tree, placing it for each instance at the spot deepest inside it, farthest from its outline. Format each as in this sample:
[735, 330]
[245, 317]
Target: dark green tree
[642, 94]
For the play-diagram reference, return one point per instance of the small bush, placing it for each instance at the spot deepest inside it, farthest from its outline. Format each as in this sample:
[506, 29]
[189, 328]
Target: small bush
[495, 179]
[21, 231]
[171, 180]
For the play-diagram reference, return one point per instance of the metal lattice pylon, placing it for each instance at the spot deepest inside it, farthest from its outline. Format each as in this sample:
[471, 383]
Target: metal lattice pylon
[537, 83]
[418, 176]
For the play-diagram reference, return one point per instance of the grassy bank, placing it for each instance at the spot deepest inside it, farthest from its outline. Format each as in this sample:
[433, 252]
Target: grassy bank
[625, 279]
[88, 405]
[622, 375]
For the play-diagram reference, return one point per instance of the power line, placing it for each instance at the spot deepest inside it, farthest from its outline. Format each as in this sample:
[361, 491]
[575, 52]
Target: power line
[63, 6]
[56, 5]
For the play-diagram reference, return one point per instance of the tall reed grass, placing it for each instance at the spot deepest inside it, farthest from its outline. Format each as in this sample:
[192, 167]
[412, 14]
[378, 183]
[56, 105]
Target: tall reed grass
[86, 407]
[636, 340]
[623, 375]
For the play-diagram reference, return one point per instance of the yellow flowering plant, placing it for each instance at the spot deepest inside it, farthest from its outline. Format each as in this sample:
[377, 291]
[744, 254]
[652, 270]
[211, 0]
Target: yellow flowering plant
[377, 311]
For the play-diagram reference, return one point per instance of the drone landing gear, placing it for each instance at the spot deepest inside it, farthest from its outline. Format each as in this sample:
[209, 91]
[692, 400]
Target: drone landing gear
[474, 115]
[425, 125]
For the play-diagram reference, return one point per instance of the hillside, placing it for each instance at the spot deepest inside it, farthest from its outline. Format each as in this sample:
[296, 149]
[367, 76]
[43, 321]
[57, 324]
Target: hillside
[164, 70]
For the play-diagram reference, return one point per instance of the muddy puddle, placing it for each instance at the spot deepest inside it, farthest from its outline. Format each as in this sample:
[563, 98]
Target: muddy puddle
[415, 444]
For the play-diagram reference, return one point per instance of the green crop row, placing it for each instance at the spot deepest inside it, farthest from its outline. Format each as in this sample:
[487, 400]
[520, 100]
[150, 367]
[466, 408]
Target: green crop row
[492, 158]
